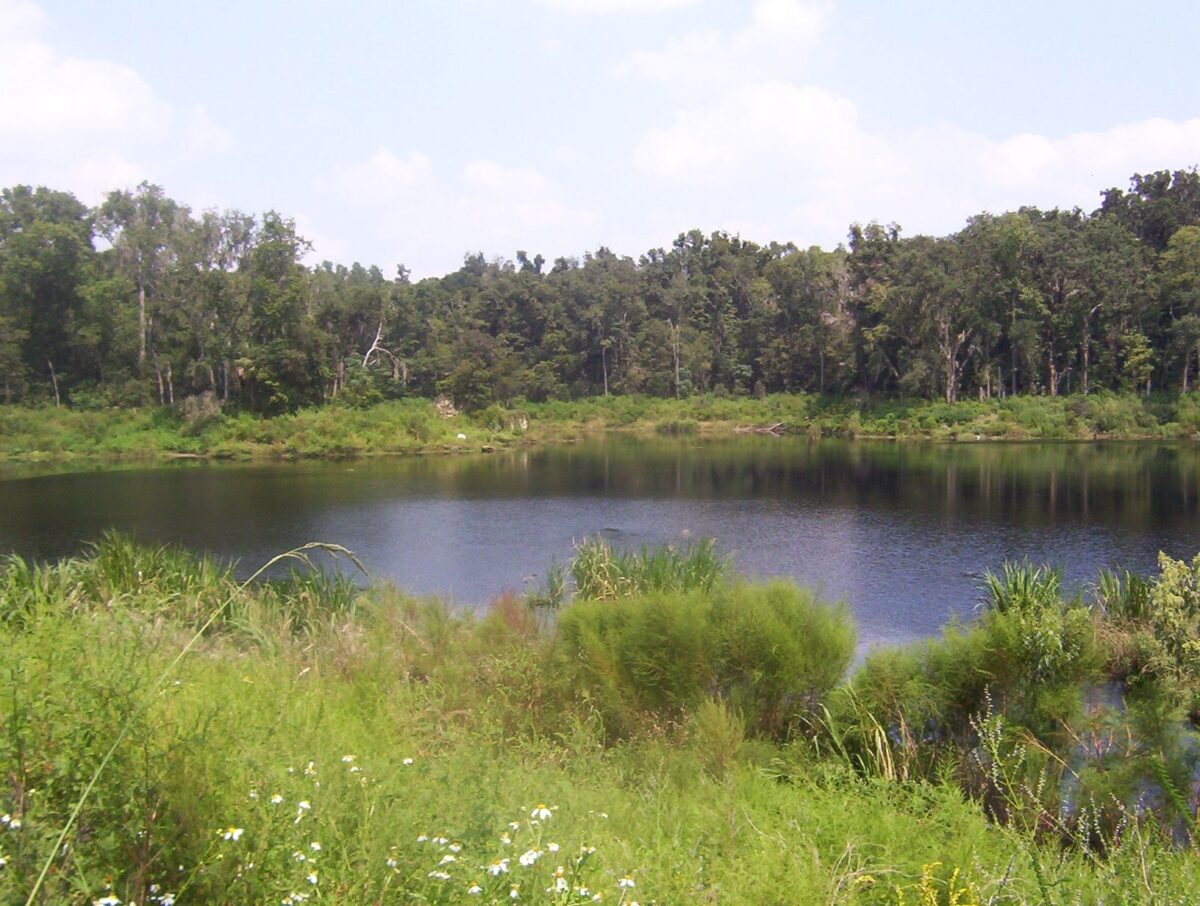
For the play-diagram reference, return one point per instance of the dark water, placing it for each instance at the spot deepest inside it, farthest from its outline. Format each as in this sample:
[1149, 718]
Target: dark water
[901, 531]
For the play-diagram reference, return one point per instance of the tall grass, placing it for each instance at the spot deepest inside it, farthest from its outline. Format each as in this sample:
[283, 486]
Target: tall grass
[355, 745]
[603, 574]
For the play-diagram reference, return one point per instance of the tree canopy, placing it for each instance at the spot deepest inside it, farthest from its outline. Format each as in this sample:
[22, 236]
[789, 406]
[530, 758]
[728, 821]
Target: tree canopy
[142, 301]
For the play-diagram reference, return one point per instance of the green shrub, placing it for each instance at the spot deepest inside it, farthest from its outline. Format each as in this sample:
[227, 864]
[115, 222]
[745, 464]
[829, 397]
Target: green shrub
[770, 652]
[777, 651]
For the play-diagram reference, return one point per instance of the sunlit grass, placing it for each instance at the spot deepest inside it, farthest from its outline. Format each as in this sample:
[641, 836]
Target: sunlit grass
[325, 742]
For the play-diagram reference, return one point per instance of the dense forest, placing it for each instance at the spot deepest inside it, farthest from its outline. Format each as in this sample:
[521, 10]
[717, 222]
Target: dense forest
[142, 301]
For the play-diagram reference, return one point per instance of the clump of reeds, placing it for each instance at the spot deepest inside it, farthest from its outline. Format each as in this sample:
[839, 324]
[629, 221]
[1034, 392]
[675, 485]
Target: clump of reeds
[603, 573]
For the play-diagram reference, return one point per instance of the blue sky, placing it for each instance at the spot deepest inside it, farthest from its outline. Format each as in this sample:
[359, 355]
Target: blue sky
[403, 132]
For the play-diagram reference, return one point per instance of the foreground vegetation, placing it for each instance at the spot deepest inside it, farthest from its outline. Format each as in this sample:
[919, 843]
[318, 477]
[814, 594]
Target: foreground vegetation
[417, 426]
[672, 734]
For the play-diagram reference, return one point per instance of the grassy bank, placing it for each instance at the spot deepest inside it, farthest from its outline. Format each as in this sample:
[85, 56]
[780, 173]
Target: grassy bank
[672, 735]
[415, 426]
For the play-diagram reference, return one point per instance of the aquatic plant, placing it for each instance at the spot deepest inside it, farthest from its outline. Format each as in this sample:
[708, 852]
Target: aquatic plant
[601, 572]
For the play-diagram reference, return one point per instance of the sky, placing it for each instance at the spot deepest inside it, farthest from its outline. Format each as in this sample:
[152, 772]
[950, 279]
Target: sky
[400, 132]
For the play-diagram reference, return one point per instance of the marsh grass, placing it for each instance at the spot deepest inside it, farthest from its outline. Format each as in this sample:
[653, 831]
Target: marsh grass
[602, 573]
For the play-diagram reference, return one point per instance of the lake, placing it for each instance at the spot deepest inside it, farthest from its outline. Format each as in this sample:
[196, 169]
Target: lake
[901, 531]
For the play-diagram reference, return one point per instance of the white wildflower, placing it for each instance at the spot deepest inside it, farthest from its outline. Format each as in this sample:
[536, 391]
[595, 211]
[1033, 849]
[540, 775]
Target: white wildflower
[233, 833]
[312, 877]
[439, 875]
[529, 857]
[626, 882]
[474, 890]
[276, 799]
[541, 812]
[315, 846]
[497, 868]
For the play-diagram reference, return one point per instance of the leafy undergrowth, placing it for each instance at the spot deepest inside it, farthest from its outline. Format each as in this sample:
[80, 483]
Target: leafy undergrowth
[323, 743]
[417, 425]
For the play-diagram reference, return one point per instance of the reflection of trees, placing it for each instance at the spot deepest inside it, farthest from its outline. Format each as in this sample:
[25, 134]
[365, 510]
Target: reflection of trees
[1022, 483]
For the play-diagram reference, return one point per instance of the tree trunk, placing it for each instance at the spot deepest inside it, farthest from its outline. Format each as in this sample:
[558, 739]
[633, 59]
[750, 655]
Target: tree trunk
[675, 353]
[141, 291]
[170, 386]
[1087, 348]
[54, 383]
[604, 366]
[1012, 345]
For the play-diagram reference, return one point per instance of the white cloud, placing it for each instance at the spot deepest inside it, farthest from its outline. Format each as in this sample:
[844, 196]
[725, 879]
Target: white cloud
[19, 17]
[771, 43]
[204, 134]
[797, 161]
[428, 221]
[85, 125]
[385, 178]
[807, 127]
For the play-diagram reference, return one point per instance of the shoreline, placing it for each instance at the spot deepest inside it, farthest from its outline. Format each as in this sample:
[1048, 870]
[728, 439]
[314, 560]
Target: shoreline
[414, 427]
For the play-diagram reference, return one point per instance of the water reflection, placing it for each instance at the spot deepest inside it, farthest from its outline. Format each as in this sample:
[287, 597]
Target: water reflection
[899, 530]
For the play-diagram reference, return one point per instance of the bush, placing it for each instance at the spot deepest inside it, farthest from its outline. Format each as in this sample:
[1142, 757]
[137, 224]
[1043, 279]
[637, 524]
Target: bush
[771, 652]
[777, 651]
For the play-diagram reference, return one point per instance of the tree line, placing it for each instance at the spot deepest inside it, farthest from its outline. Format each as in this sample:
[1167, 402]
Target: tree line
[141, 301]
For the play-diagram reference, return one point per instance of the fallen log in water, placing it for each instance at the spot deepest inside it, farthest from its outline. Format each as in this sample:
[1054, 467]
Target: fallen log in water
[776, 429]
